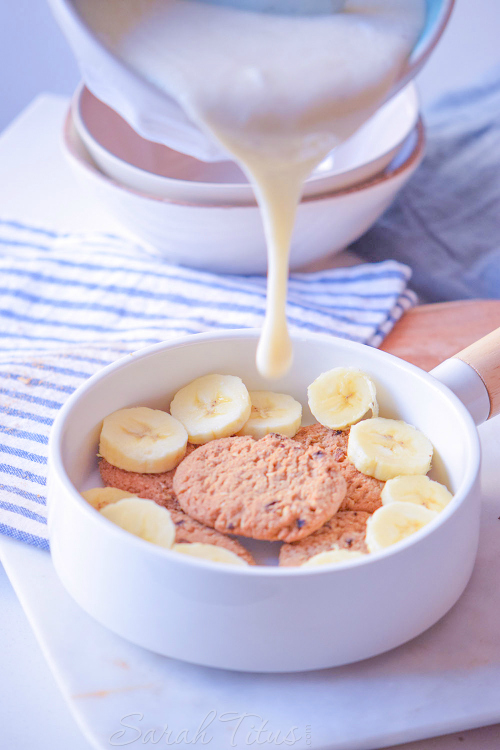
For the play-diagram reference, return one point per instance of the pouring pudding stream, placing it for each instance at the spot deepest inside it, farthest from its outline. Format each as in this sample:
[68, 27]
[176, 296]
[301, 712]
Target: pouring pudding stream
[277, 92]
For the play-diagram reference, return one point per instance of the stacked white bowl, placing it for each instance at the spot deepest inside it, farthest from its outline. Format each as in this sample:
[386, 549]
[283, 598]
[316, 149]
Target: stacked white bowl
[204, 215]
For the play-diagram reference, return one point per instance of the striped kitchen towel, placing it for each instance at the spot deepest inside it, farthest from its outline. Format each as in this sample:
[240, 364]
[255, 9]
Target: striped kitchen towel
[70, 304]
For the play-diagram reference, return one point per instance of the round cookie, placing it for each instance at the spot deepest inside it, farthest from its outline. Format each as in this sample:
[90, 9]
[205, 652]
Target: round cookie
[189, 531]
[157, 487]
[271, 489]
[363, 492]
[346, 530]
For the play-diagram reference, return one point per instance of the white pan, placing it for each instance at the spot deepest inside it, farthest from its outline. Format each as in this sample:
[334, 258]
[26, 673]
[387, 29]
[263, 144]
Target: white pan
[264, 618]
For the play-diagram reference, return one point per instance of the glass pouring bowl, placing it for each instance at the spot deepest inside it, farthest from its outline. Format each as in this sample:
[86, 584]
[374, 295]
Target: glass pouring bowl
[148, 110]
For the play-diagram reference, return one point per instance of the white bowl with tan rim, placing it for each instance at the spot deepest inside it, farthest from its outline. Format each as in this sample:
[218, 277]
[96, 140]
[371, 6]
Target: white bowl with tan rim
[265, 618]
[120, 153]
[230, 238]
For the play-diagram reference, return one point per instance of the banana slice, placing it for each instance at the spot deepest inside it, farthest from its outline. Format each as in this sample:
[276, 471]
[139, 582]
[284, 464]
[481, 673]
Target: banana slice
[272, 412]
[143, 518]
[341, 397]
[148, 441]
[387, 448]
[332, 556]
[98, 497]
[209, 552]
[416, 489]
[394, 522]
[213, 406]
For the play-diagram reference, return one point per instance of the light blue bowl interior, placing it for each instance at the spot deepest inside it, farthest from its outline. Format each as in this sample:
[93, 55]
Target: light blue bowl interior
[435, 9]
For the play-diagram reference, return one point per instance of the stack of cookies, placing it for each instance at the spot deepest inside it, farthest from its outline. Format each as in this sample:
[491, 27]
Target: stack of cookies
[301, 491]
[229, 463]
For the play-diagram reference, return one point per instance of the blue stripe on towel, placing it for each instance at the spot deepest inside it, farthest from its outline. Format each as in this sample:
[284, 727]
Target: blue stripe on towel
[74, 303]
[23, 536]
